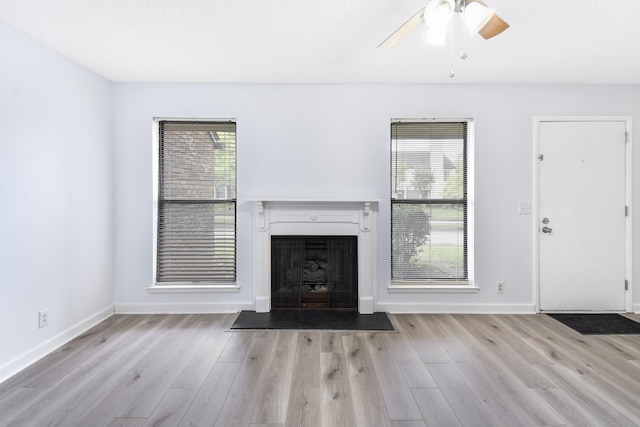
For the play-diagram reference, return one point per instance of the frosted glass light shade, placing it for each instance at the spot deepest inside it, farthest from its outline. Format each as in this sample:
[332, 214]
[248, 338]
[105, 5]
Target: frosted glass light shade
[437, 15]
[476, 16]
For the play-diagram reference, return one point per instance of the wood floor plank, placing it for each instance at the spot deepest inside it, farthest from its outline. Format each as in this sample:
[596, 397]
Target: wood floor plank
[395, 389]
[425, 346]
[305, 407]
[366, 395]
[126, 422]
[152, 380]
[573, 411]
[505, 348]
[223, 323]
[306, 372]
[481, 354]
[589, 398]
[434, 323]
[140, 387]
[124, 337]
[434, 408]
[336, 399]
[508, 401]
[100, 333]
[237, 347]
[587, 373]
[246, 390]
[267, 425]
[275, 383]
[55, 397]
[153, 331]
[469, 410]
[195, 372]
[409, 424]
[207, 404]
[52, 369]
[331, 342]
[628, 347]
[83, 400]
[61, 362]
[413, 369]
[516, 333]
[171, 408]
[601, 370]
[17, 408]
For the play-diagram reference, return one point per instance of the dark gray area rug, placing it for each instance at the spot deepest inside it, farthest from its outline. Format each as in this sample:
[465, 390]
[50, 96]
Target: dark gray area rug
[313, 319]
[598, 324]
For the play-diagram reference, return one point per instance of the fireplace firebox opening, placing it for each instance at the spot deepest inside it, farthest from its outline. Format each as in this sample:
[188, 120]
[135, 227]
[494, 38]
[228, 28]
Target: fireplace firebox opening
[314, 272]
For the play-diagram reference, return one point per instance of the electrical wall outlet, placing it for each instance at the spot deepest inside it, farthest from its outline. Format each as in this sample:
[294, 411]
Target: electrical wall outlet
[500, 288]
[43, 318]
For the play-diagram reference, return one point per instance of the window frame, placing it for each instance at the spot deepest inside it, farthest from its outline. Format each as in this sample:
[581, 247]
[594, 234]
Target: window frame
[440, 285]
[183, 286]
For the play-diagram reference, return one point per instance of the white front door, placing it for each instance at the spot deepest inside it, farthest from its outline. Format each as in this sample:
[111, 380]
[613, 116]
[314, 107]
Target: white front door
[581, 215]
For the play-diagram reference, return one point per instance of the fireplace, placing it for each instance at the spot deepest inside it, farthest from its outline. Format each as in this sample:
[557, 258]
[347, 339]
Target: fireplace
[314, 272]
[355, 220]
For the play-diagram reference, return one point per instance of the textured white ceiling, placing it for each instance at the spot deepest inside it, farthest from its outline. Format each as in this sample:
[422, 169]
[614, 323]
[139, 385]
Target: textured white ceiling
[330, 41]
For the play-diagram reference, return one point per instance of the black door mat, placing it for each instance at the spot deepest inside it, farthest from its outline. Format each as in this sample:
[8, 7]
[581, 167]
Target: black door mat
[598, 324]
[313, 319]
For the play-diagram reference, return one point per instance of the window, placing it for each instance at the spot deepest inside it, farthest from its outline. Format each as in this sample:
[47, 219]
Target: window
[429, 205]
[196, 203]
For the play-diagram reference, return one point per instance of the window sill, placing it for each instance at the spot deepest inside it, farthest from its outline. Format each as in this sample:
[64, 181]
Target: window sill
[192, 289]
[433, 287]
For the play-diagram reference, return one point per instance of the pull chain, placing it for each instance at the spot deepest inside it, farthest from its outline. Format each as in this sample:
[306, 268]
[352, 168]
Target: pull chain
[451, 72]
[463, 55]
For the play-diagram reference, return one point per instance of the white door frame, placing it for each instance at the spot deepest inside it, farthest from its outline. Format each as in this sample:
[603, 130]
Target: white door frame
[628, 199]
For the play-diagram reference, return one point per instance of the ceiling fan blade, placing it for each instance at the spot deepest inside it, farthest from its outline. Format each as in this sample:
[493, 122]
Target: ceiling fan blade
[405, 29]
[494, 27]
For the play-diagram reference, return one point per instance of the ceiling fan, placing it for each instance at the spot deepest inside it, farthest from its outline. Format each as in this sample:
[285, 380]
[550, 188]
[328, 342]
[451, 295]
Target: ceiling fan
[477, 17]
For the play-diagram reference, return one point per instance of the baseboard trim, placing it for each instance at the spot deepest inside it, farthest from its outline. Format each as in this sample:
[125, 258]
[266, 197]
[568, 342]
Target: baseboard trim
[29, 358]
[213, 308]
[180, 308]
[408, 308]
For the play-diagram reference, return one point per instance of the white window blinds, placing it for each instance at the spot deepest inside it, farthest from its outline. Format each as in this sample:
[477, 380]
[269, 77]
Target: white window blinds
[429, 201]
[196, 240]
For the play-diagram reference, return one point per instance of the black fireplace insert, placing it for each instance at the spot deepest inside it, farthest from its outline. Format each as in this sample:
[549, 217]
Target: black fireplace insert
[314, 272]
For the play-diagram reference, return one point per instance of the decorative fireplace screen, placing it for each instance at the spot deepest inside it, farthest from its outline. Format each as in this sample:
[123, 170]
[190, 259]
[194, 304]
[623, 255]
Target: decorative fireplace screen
[314, 272]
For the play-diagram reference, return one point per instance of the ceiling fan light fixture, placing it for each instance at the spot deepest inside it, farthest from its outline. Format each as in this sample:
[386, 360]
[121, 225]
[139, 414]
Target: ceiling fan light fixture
[476, 16]
[437, 15]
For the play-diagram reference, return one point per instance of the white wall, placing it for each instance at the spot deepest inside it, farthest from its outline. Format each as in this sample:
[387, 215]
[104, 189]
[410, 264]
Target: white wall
[55, 199]
[333, 140]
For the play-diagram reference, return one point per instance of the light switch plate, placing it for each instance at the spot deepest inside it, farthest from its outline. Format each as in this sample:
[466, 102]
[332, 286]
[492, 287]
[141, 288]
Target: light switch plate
[524, 208]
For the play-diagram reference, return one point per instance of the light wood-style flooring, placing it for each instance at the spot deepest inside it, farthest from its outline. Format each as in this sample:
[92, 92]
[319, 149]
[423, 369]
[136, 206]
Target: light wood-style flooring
[435, 370]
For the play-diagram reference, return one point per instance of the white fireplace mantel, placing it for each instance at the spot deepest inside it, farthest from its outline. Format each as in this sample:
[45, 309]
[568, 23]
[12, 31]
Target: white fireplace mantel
[290, 217]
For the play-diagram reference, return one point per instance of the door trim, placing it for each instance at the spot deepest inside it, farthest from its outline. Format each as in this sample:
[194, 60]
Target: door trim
[628, 199]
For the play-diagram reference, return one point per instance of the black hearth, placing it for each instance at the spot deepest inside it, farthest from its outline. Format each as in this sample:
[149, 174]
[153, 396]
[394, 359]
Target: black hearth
[314, 272]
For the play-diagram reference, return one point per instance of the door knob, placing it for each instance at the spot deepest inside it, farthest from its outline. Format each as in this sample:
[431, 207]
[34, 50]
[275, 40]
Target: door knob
[546, 230]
